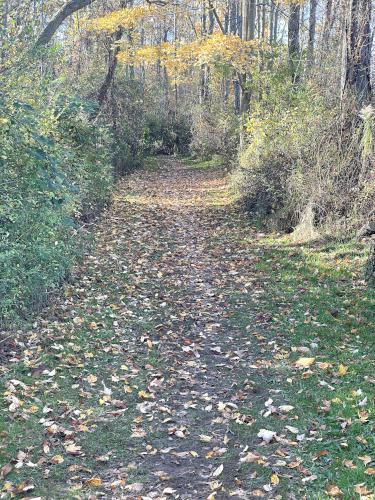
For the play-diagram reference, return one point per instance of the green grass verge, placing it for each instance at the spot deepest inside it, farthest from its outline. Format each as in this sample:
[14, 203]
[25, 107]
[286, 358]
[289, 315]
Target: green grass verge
[319, 307]
[56, 385]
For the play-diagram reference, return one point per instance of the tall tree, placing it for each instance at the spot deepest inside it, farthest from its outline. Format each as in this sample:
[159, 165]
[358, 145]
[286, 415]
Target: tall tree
[312, 30]
[327, 21]
[293, 39]
[357, 54]
[249, 11]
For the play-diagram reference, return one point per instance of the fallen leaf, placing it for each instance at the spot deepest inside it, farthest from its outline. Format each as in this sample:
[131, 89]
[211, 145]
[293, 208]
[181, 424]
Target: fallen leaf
[266, 435]
[218, 471]
[249, 458]
[94, 482]
[304, 362]
[204, 438]
[362, 489]
[91, 379]
[275, 479]
[343, 370]
[286, 408]
[366, 459]
[5, 470]
[333, 491]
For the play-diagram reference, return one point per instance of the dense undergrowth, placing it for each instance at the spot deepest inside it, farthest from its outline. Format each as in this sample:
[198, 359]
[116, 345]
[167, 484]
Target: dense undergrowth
[55, 173]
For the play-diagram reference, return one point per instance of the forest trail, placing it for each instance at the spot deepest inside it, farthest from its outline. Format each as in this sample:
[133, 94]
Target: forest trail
[151, 308]
[147, 377]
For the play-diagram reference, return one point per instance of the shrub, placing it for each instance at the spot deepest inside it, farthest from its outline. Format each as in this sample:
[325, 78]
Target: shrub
[54, 170]
[214, 132]
[302, 163]
[166, 135]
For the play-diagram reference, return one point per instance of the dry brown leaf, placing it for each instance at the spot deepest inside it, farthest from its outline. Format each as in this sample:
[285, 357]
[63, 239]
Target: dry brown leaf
[333, 491]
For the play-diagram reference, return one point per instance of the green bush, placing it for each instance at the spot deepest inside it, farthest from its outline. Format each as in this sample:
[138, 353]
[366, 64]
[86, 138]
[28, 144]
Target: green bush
[54, 171]
[166, 135]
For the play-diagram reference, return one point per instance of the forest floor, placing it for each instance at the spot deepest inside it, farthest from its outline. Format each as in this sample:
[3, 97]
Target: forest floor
[193, 357]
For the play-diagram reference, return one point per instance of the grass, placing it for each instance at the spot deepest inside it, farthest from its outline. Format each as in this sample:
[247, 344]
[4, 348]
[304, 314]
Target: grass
[55, 367]
[320, 308]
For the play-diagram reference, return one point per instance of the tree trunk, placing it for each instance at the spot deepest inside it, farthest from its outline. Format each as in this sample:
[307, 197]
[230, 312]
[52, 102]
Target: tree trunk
[66, 11]
[327, 22]
[4, 29]
[276, 24]
[112, 64]
[249, 11]
[248, 19]
[357, 51]
[312, 29]
[293, 40]
[272, 19]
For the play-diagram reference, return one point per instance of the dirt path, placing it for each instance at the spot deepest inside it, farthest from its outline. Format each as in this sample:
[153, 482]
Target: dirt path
[142, 385]
[187, 229]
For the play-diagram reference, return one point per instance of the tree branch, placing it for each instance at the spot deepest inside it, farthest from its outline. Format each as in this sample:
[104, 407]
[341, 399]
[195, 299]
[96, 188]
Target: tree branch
[66, 11]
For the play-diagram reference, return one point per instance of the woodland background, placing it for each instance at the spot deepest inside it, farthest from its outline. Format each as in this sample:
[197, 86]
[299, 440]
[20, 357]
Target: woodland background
[279, 92]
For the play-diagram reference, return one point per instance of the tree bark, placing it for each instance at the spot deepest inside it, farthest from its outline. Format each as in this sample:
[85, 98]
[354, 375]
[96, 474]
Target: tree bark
[112, 64]
[276, 24]
[272, 19]
[66, 11]
[327, 21]
[358, 45]
[312, 30]
[293, 39]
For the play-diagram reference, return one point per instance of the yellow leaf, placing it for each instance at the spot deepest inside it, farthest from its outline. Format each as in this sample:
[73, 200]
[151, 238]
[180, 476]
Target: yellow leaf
[342, 370]
[57, 459]
[95, 482]
[324, 366]
[275, 479]
[304, 362]
[144, 395]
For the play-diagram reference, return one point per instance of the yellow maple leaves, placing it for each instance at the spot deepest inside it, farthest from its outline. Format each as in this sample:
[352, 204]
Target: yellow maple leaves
[123, 18]
[217, 50]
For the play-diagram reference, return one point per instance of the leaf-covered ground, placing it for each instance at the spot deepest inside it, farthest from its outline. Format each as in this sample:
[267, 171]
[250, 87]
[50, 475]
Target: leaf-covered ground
[192, 357]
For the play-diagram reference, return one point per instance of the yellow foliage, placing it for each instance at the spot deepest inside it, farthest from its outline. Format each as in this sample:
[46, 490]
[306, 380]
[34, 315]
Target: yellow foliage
[123, 18]
[216, 49]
